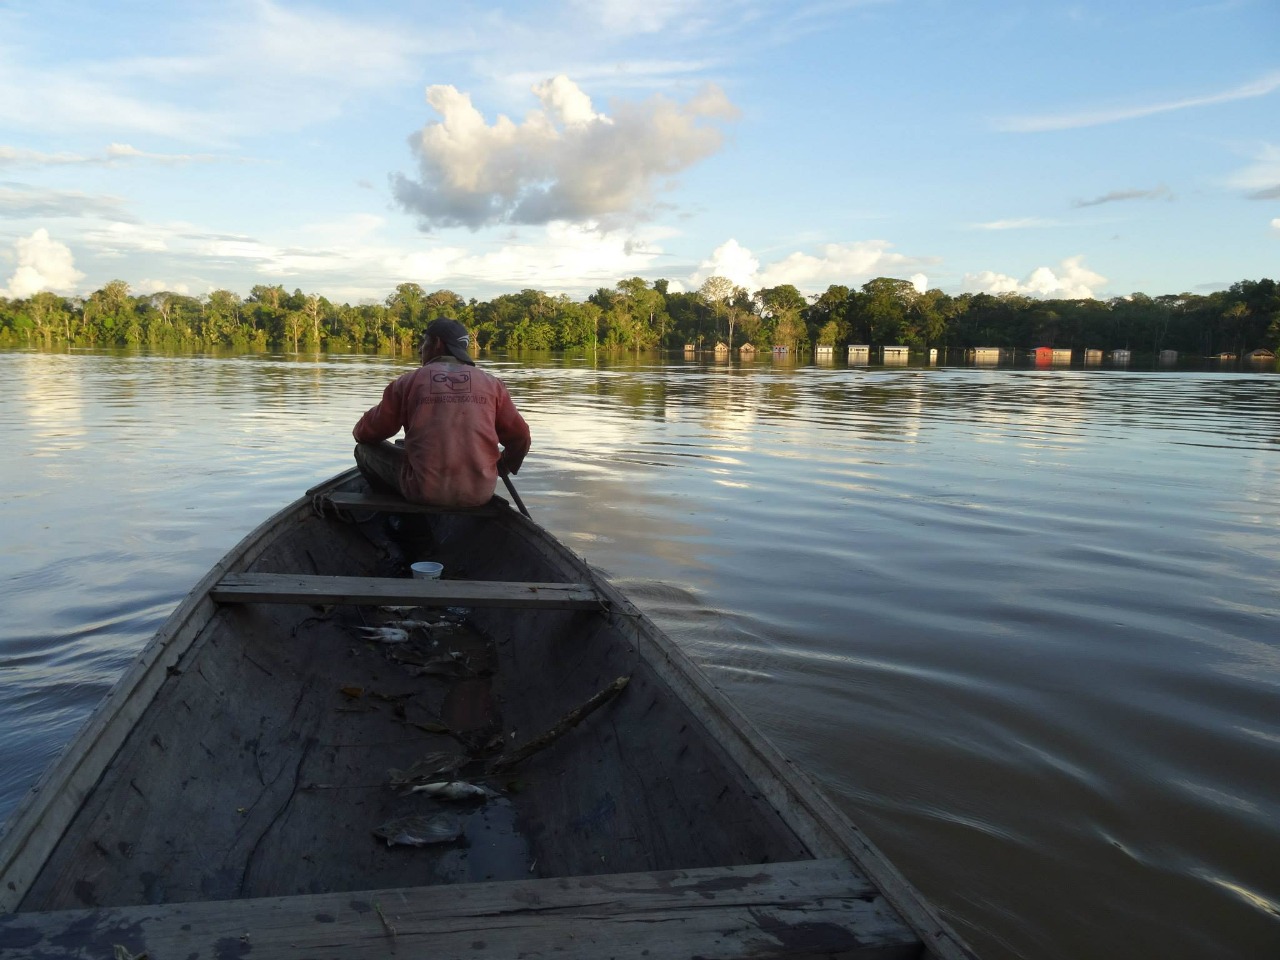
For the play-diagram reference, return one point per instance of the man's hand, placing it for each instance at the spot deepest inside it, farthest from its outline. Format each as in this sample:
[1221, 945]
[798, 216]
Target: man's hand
[509, 465]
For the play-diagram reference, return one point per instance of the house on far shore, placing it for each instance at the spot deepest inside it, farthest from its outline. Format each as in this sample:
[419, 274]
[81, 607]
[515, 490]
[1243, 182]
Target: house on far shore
[1261, 355]
[896, 355]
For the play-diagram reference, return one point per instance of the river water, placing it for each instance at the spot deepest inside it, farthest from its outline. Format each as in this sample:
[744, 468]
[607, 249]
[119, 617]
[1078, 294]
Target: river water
[1020, 623]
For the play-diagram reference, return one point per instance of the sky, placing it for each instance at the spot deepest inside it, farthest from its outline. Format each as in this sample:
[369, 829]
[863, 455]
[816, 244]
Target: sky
[1054, 149]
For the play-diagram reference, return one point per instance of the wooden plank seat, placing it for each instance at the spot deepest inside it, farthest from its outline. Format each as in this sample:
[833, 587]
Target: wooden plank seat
[389, 503]
[379, 591]
[806, 908]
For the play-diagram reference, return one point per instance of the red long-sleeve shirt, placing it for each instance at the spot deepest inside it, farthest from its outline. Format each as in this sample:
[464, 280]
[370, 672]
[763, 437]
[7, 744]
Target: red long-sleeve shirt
[454, 416]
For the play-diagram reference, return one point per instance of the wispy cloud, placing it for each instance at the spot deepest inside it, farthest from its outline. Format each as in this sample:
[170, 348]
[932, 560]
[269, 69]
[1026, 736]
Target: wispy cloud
[244, 68]
[115, 153]
[1262, 177]
[1115, 196]
[1264, 85]
[1016, 223]
[20, 202]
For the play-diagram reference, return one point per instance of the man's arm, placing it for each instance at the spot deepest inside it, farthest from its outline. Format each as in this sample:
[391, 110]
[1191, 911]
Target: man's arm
[513, 433]
[383, 419]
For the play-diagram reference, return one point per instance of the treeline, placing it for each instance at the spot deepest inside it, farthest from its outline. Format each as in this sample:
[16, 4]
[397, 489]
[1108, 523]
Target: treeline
[639, 315]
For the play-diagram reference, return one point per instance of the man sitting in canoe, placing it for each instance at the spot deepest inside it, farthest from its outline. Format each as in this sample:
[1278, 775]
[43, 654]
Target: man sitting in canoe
[454, 415]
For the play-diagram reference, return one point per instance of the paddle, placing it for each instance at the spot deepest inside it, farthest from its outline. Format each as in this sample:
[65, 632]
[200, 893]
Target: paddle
[502, 472]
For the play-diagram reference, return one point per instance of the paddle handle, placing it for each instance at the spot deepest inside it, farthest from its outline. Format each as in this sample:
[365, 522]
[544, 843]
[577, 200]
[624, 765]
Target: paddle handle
[512, 490]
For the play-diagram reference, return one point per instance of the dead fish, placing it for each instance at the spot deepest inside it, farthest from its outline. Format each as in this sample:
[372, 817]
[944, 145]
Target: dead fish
[420, 831]
[430, 767]
[453, 790]
[385, 634]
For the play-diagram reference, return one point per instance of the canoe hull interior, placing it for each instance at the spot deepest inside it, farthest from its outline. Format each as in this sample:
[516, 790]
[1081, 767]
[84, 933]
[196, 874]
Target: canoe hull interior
[261, 767]
[247, 757]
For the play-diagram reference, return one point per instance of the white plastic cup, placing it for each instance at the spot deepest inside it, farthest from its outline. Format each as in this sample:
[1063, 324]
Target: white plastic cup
[426, 570]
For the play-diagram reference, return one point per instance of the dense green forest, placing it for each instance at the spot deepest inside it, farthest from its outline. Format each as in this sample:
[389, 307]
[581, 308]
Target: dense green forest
[638, 315]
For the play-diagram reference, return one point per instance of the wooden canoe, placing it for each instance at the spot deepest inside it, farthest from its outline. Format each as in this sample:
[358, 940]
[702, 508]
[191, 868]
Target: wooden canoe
[222, 800]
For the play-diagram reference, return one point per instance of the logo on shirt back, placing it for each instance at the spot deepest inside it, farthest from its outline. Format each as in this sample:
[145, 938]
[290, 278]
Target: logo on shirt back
[453, 383]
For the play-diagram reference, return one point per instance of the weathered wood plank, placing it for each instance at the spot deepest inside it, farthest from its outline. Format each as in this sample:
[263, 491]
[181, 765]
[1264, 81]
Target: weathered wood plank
[377, 591]
[386, 503]
[805, 909]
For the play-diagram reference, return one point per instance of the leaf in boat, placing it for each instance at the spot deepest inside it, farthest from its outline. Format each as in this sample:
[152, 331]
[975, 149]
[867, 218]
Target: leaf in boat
[123, 953]
[430, 726]
[453, 790]
[352, 693]
[430, 767]
[420, 831]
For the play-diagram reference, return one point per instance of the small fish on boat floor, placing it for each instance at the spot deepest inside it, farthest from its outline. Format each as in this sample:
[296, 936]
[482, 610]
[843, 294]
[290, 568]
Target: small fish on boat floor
[385, 634]
[420, 831]
[454, 790]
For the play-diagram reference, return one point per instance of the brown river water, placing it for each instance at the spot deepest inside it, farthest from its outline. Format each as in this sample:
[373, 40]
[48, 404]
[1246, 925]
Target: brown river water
[1021, 624]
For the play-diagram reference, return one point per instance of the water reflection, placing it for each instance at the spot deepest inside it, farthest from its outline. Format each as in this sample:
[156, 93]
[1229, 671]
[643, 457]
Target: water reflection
[1019, 622]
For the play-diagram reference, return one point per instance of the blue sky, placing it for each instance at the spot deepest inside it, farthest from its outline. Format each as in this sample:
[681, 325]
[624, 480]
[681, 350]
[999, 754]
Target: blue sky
[1056, 149]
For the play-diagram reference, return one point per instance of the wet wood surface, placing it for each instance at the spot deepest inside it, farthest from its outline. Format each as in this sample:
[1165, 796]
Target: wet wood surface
[806, 909]
[376, 591]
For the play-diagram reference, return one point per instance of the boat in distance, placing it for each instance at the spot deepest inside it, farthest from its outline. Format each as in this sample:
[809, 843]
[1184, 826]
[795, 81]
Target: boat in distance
[319, 755]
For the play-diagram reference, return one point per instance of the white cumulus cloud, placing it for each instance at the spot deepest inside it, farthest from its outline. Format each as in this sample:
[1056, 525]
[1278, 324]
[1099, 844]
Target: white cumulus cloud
[1072, 280]
[841, 263]
[43, 264]
[1275, 224]
[565, 161]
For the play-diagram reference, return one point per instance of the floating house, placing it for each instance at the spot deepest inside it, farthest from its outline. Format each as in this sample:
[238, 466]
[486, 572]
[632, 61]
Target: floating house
[896, 355]
[1121, 356]
[689, 350]
[859, 353]
[1043, 356]
[1261, 355]
[986, 354]
[1061, 355]
[1092, 358]
[747, 351]
[722, 351]
[1168, 357]
[933, 354]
